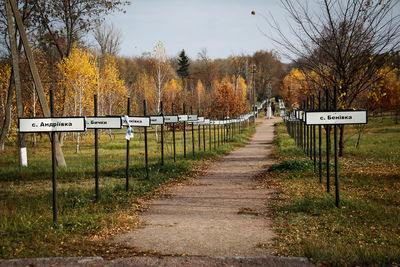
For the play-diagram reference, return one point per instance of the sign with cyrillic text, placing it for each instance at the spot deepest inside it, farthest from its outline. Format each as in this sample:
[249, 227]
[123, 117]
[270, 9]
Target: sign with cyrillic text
[103, 123]
[39, 125]
[336, 117]
[183, 118]
[156, 120]
[137, 121]
[192, 117]
[171, 119]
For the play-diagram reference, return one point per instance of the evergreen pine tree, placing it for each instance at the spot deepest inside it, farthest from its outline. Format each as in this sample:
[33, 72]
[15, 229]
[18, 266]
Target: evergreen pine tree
[183, 63]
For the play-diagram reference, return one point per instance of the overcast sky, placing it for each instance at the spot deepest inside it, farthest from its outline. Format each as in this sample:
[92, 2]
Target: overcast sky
[223, 27]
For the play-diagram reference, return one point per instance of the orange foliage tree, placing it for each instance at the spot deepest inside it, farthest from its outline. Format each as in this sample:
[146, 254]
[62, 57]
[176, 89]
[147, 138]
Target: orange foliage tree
[225, 100]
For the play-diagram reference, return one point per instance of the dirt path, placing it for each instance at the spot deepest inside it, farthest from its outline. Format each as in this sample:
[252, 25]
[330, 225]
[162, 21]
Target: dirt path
[216, 215]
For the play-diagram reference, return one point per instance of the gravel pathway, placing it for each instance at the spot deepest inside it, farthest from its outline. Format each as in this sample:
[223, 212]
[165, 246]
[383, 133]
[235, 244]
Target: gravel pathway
[219, 214]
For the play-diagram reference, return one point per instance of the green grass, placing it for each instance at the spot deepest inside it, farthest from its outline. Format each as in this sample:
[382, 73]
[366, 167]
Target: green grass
[365, 230]
[84, 226]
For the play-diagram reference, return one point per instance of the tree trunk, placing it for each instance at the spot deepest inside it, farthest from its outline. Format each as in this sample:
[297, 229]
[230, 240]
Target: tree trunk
[110, 134]
[35, 75]
[77, 142]
[359, 132]
[7, 116]
[341, 140]
[156, 133]
[17, 83]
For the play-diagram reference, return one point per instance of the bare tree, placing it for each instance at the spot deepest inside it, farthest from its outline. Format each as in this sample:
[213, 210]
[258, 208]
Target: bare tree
[108, 38]
[345, 43]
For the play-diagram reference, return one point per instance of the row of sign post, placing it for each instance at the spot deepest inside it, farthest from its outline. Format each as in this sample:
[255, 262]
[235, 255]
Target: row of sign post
[81, 124]
[301, 125]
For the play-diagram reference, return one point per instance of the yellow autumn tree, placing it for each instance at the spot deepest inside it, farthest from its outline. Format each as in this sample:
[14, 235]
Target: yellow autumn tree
[144, 89]
[5, 103]
[241, 94]
[81, 81]
[172, 93]
[111, 89]
[386, 94]
[199, 94]
[293, 87]
[5, 71]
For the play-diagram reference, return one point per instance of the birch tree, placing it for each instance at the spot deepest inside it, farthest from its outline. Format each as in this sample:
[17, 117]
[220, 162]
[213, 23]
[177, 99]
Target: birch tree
[161, 72]
[80, 78]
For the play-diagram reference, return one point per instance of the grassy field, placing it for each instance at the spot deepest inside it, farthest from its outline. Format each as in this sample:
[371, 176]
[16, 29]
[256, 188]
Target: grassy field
[83, 226]
[365, 230]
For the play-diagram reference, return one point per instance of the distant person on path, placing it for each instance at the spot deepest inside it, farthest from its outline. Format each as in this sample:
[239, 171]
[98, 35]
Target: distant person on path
[273, 109]
[269, 111]
[265, 111]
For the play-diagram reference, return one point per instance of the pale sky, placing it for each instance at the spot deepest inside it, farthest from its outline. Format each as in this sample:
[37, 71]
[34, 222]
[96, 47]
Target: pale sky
[223, 27]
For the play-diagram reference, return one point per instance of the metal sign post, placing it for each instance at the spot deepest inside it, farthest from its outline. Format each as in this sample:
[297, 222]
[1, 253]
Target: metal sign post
[145, 142]
[184, 132]
[335, 118]
[173, 133]
[337, 198]
[198, 130]
[218, 132]
[97, 123]
[96, 154]
[215, 139]
[127, 150]
[314, 138]
[138, 121]
[191, 119]
[159, 120]
[162, 136]
[209, 131]
[172, 119]
[52, 125]
[328, 145]
[53, 159]
[204, 134]
[320, 141]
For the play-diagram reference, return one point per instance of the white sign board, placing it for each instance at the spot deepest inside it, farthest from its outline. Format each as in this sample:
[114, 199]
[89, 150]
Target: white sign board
[38, 125]
[336, 117]
[156, 120]
[183, 118]
[192, 117]
[200, 119]
[171, 119]
[207, 121]
[103, 123]
[137, 121]
[300, 115]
